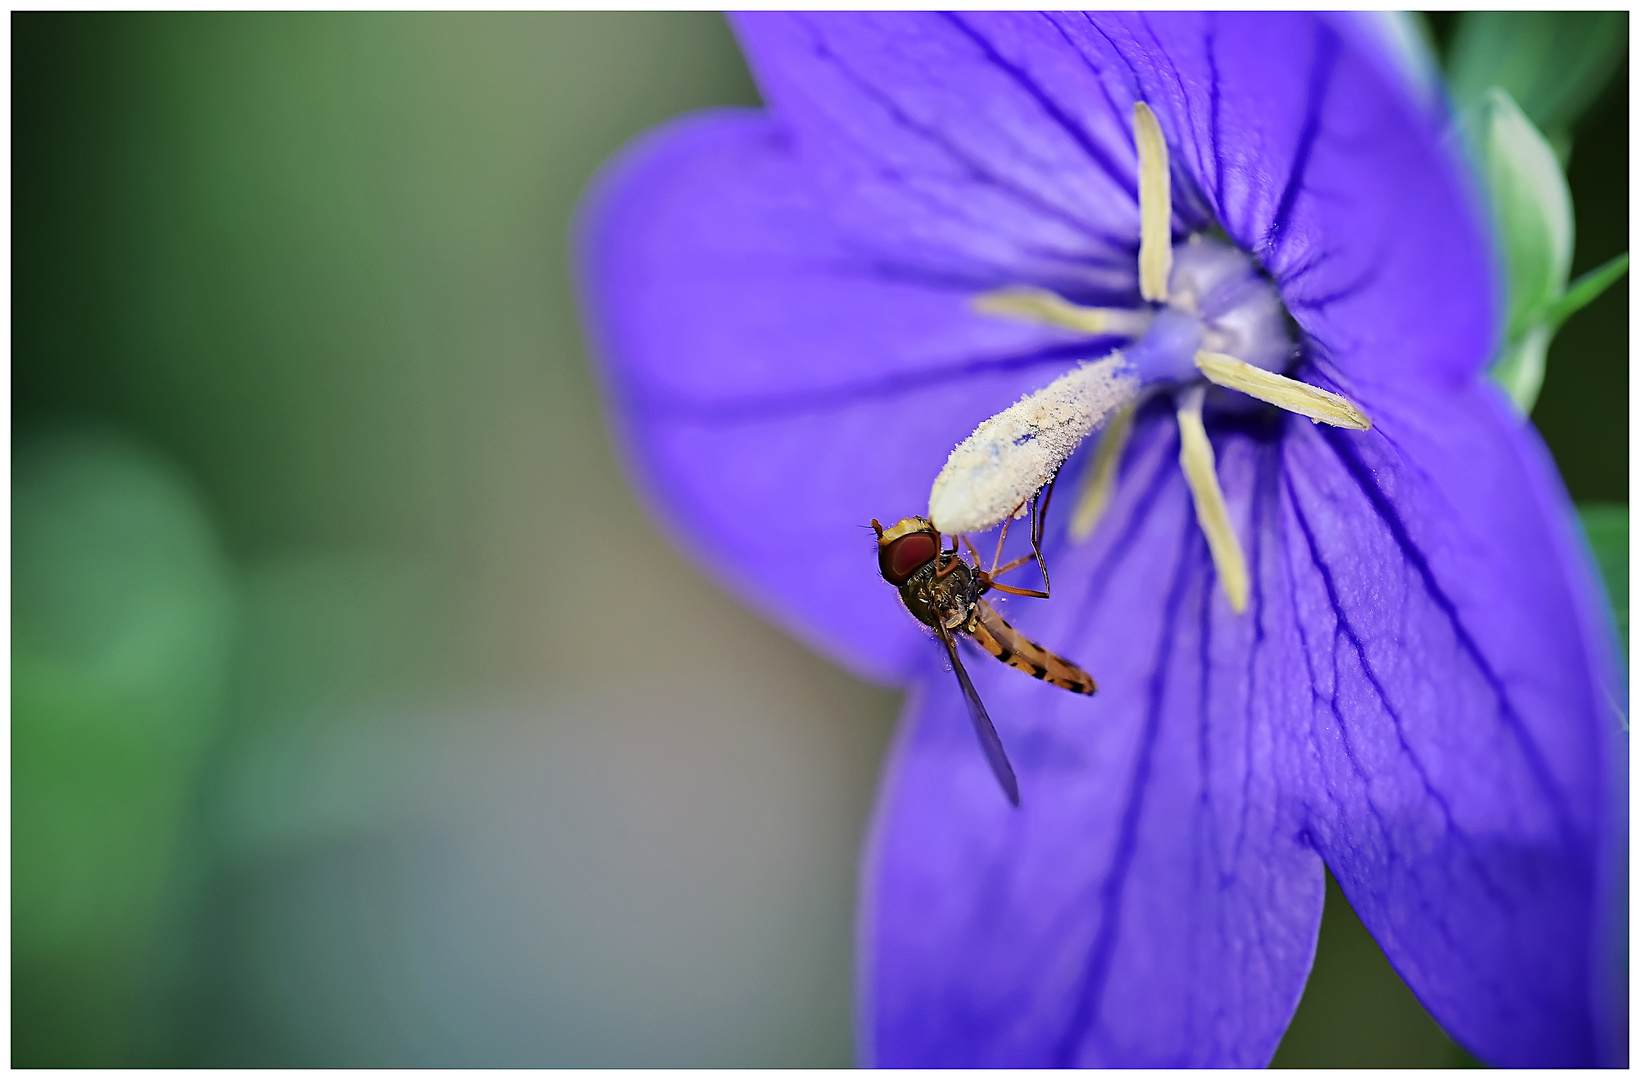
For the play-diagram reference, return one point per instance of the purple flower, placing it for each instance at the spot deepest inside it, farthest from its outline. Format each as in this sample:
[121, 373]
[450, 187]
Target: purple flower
[801, 311]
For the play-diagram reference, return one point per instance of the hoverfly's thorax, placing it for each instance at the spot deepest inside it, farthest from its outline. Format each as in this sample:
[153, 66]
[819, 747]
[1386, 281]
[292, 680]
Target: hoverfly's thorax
[946, 600]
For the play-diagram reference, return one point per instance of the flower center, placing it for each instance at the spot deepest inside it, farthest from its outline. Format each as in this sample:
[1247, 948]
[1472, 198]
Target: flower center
[1209, 316]
[1217, 302]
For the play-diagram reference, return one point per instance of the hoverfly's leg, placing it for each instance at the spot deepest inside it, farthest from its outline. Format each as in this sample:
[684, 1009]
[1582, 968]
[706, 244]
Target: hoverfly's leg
[947, 560]
[1012, 564]
[980, 572]
[1039, 519]
[1039, 524]
[1002, 538]
[1039, 511]
[1011, 591]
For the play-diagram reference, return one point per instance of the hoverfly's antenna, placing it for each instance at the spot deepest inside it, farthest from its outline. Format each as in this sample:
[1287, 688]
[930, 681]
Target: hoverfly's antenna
[875, 524]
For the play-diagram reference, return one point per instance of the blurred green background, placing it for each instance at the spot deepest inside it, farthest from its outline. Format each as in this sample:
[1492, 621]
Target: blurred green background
[359, 715]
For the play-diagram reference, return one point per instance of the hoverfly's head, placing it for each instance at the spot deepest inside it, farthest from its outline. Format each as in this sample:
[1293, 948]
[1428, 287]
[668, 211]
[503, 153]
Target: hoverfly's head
[905, 547]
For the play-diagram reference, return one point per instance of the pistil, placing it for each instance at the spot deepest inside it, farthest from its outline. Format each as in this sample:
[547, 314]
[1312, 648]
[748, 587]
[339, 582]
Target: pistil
[993, 473]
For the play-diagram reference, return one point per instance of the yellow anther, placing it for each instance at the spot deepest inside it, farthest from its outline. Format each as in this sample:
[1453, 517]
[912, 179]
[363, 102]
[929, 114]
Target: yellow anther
[1099, 482]
[1201, 474]
[1041, 306]
[1155, 205]
[1282, 392]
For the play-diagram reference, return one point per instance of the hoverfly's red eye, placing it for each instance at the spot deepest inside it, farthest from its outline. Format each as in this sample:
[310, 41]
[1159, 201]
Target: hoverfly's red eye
[905, 555]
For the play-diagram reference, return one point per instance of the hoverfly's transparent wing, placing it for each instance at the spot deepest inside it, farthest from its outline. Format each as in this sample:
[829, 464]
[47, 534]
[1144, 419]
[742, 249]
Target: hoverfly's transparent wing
[987, 732]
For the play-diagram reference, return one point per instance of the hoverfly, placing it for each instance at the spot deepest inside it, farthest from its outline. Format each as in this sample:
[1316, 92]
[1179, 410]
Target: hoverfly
[947, 594]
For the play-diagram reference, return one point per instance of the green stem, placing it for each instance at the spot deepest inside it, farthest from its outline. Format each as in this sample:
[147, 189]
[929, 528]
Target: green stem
[1584, 290]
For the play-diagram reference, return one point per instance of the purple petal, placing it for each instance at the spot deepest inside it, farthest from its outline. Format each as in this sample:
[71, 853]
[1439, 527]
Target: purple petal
[1454, 754]
[997, 138]
[938, 136]
[1154, 901]
[775, 388]
[1418, 693]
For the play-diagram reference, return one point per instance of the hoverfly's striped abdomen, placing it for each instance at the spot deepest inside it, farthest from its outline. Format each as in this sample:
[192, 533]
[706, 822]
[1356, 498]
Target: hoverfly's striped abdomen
[1002, 641]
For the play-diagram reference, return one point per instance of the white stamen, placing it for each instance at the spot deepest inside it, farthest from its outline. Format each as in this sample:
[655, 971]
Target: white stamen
[1041, 306]
[1201, 474]
[1155, 205]
[1099, 482]
[1282, 392]
[1012, 455]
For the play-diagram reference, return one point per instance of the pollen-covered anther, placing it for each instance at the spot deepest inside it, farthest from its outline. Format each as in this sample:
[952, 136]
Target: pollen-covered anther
[1319, 405]
[1012, 455]
[1155, 205]
[1032, 304]
[1212, 513]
